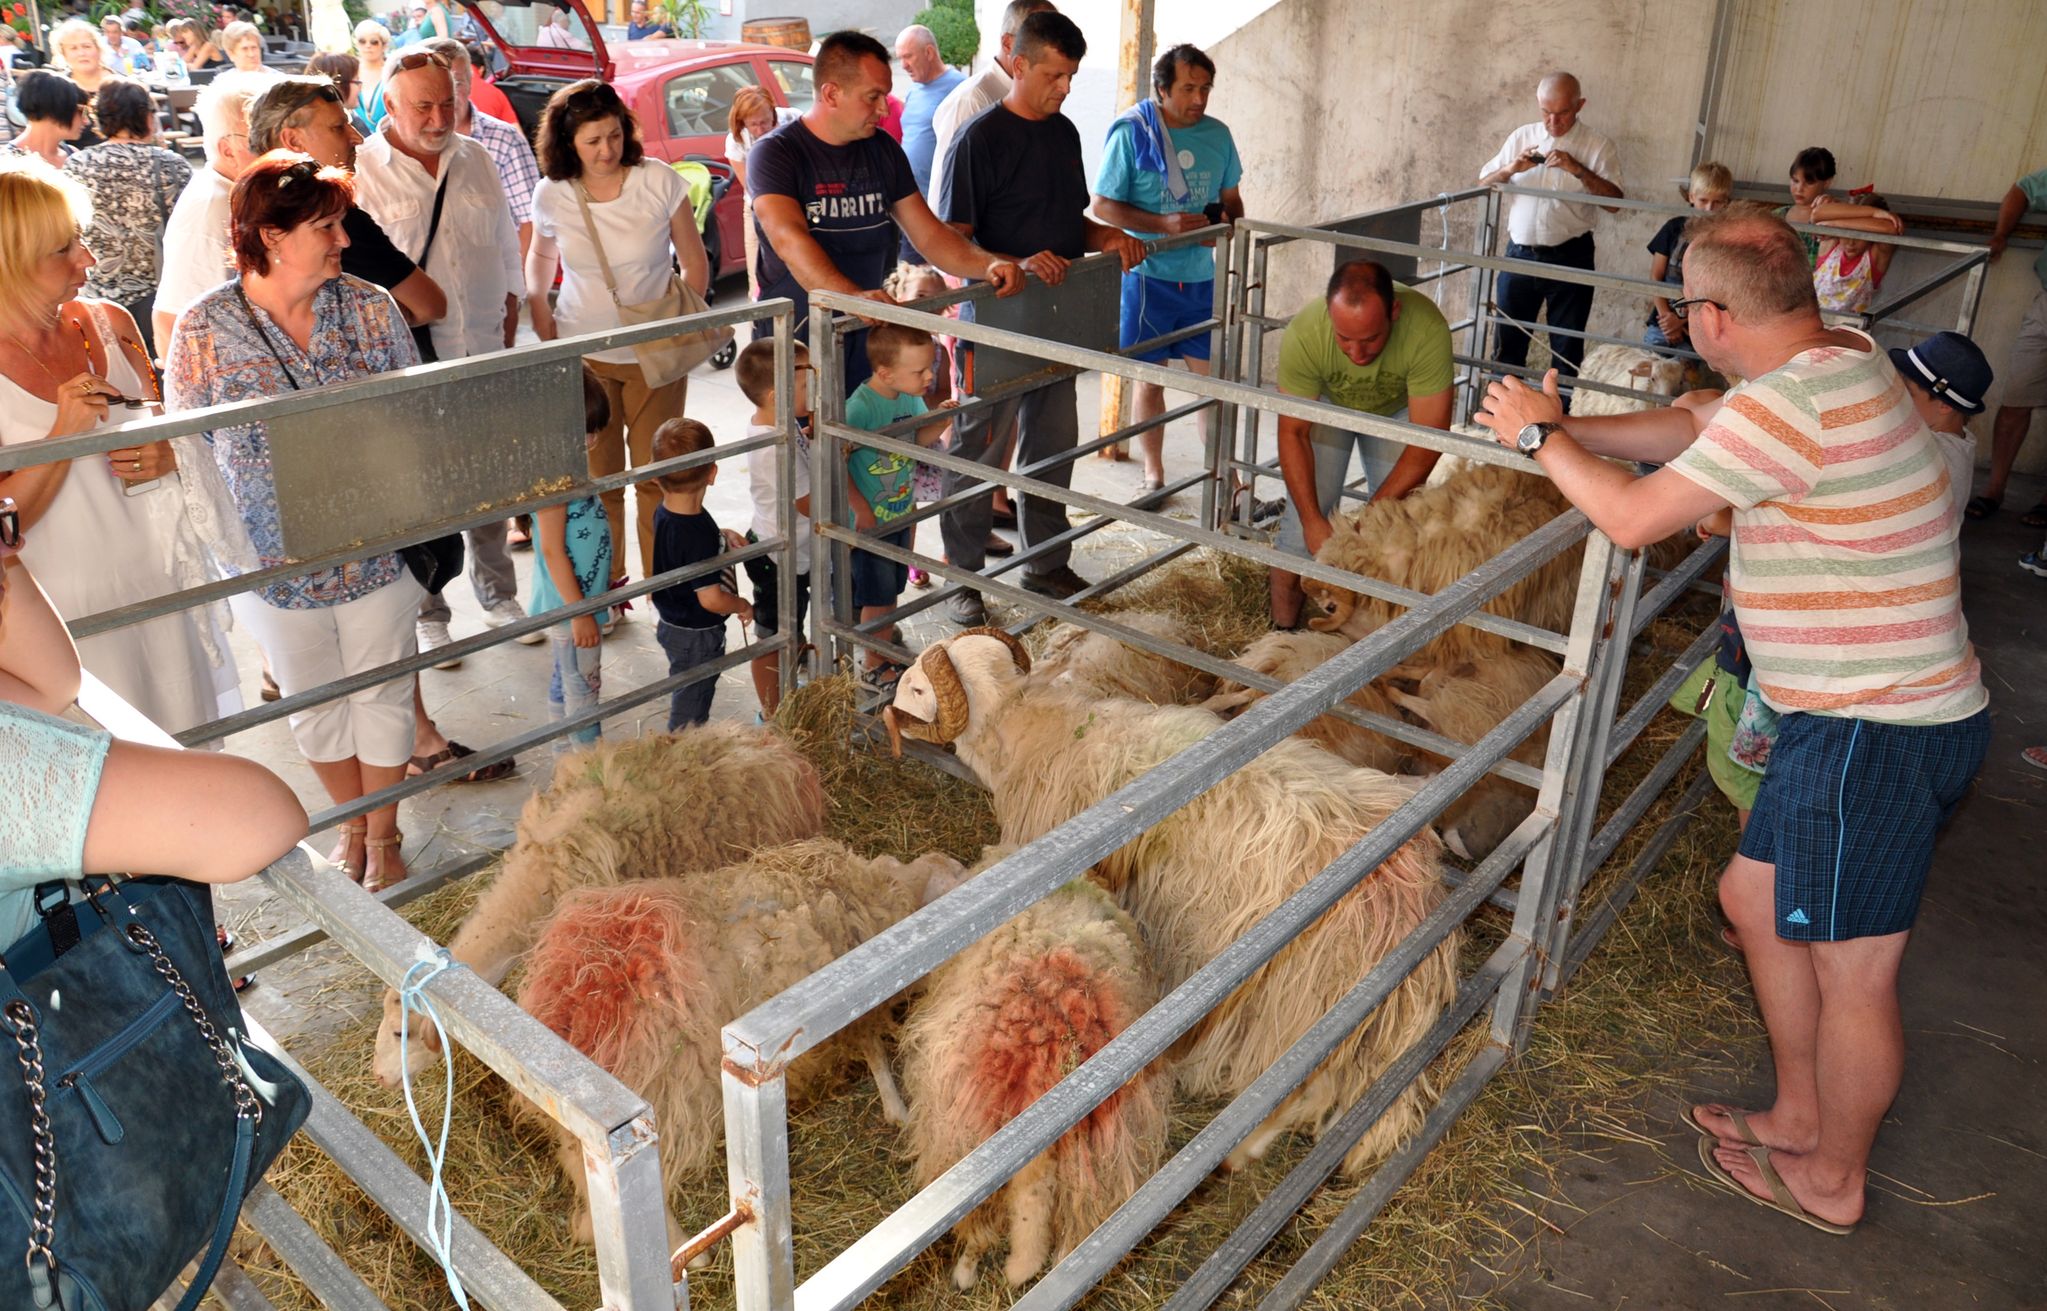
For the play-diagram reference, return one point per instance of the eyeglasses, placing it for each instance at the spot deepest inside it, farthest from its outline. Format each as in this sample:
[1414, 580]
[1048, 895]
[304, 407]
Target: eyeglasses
[1682, 308]
[416, 59]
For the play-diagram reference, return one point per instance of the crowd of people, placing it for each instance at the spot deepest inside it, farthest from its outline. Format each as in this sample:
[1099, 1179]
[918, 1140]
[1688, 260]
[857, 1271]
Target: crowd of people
[382, 209]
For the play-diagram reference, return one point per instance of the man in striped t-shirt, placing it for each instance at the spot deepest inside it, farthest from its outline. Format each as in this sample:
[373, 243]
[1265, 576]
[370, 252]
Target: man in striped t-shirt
[1845, 575]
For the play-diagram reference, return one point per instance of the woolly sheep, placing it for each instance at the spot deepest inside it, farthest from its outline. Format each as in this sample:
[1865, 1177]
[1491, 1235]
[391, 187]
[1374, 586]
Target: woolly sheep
[995, 1028]
[632, 808]
[1463, 702]
[1435, 535]
[1201, 877]
[1089, 661]
[1658, 377]
[640, 977]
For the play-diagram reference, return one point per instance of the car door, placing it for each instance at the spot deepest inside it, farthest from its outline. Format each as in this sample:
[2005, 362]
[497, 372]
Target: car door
[696, 106]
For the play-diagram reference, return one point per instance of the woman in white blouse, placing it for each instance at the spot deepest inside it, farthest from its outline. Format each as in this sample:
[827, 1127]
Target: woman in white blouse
[590, 152]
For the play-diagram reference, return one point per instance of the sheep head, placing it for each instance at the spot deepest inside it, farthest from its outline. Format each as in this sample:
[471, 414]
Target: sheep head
[933, 701]
[418, 1053]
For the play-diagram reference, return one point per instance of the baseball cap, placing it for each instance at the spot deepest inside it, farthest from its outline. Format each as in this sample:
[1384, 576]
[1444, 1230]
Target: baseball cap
[1950, 366]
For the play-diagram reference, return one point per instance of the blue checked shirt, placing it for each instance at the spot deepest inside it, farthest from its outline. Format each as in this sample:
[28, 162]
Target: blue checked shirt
[517, 168]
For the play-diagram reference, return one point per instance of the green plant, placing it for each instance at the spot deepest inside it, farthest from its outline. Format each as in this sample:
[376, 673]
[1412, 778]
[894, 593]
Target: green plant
[686, 18]
[952, 23]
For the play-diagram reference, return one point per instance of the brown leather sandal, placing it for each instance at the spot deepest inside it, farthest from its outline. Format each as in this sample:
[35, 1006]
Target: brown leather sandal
[392, 843]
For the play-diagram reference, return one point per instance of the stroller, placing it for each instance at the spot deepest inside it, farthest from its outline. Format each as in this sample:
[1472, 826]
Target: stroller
[709, 179]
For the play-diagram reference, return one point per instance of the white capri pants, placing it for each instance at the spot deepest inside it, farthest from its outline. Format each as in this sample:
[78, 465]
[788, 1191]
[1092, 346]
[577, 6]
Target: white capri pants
[311, 647]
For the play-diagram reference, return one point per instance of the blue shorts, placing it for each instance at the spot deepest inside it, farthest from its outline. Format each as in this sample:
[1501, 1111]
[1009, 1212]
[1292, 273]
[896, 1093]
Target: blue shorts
[878, 580]
[1848, 812]
[1153, 307]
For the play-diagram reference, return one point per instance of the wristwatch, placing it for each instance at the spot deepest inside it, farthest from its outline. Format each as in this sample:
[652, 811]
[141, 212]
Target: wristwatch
[1530, 439]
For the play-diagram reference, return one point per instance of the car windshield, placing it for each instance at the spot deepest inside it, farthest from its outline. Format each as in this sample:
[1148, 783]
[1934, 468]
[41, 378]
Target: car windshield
[544, 25]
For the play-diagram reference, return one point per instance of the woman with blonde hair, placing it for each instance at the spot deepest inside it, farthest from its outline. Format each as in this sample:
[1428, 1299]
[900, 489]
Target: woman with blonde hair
[195, 49]
[109, 530]
[753, 116]
[372, 50]
[83, 57]
[244, 46]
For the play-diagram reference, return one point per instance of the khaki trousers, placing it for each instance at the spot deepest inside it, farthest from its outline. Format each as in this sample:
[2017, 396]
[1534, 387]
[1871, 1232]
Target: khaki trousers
[628, 442]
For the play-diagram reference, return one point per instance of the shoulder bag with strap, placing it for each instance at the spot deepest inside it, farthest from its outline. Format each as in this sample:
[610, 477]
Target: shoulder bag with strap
[436, 562]
[422, 336]
[664, 359]
[143, 1110]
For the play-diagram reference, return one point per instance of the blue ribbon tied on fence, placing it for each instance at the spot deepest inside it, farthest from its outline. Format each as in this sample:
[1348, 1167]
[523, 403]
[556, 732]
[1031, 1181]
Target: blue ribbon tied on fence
[440, 1213]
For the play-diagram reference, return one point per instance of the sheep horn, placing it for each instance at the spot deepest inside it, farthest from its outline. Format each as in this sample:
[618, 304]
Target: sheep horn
[950, 693]
[1017, 651]
[895, 731]
[1343, 603]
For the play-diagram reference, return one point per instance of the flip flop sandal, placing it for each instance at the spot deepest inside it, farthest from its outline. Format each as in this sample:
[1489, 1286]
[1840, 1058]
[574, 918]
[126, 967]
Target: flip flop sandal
[2035, 757]
[1982, 507]
[1738, 1117]
[882, 678]
[2035, 517]
[455, 751]
[1780, 1199]
[270, 692]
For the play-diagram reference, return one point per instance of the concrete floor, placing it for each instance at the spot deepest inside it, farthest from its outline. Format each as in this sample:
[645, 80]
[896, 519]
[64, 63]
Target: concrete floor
[1962, 1158]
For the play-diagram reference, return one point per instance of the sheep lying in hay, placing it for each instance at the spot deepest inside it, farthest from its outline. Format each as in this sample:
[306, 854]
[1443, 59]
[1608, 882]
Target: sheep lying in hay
[1657, 377]
[1094, 662]
[1202, 876]
[1435, 535]
[640, 977]
[1462, 702]
[996, 1027]
[632, 808]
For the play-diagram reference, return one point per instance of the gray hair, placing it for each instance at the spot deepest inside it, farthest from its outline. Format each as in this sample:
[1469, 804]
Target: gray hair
[448, 48]
[1017, 10]
[286, 103]
[223, 106]
[919, 35]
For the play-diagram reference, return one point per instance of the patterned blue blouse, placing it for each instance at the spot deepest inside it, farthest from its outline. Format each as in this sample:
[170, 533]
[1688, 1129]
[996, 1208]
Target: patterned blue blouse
[219, 355]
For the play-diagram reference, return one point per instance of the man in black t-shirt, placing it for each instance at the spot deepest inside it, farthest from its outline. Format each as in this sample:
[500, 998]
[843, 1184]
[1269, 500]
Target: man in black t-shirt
[1016, 185]
[829, 193]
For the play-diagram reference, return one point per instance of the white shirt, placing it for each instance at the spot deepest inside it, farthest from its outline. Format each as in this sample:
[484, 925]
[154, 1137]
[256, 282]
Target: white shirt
[764, 482]
[196, 256]
[637, 243]
[960, 107]
[1533, 222]
[475, 256]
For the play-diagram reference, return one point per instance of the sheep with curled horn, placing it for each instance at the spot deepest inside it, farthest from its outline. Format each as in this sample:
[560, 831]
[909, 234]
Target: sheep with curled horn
[1205, 874]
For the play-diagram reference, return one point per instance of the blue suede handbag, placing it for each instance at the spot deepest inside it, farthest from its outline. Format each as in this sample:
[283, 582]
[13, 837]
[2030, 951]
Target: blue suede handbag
[136, 1113]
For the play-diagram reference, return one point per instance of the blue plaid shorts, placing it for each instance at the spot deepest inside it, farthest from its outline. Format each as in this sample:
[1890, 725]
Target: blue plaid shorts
[1848, 812]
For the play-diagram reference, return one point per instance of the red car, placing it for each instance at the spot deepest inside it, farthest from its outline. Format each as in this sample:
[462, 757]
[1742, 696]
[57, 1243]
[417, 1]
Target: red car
[680, 91]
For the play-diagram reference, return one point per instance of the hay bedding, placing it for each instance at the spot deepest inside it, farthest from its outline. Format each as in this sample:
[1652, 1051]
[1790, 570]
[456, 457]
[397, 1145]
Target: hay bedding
[1657, 994]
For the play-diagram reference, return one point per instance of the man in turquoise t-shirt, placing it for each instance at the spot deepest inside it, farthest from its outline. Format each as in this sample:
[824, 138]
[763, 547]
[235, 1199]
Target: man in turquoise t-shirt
[1371, 345]
[2025, 377]
[1149, 196]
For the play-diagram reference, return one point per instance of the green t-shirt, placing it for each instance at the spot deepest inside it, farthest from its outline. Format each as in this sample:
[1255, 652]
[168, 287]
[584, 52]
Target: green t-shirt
[883, 477]
[1416, 361]
[2035, 187]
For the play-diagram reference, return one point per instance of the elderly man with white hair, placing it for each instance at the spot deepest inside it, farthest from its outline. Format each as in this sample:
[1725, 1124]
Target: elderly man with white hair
[436, 194]
[509, 150]
[1563, 155]
[196, 254]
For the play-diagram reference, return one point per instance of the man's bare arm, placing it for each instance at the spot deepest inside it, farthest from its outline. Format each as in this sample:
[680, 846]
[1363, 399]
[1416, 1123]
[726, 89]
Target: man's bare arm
[1417, 462]
[781, 220]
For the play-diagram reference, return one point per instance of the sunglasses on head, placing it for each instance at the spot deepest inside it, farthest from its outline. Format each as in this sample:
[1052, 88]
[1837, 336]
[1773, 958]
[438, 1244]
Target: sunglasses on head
[416, 59]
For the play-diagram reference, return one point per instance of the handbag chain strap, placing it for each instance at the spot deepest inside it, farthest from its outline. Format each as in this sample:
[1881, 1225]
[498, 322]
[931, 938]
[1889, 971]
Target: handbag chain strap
[42, 1224]
[21, 1019]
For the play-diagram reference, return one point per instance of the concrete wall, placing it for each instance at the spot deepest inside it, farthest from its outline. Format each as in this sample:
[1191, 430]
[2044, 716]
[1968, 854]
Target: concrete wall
[1345, 105]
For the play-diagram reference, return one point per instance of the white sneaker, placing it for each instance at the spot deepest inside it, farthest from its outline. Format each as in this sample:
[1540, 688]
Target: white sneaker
[433, 635]
[507, 611]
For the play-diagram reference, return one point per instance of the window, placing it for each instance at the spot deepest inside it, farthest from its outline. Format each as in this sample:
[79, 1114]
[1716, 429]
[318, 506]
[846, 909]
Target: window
[700, 103]
[793, 76]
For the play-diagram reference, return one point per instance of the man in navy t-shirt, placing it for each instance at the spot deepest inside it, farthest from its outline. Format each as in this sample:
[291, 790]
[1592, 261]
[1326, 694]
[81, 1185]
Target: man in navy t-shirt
[1015, 184]
[829, 192]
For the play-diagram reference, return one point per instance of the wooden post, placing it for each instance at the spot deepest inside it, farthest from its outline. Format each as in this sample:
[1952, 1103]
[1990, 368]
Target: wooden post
[1133, 73]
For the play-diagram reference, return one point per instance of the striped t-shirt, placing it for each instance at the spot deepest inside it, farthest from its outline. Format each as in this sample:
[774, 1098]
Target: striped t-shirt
[1846, 565]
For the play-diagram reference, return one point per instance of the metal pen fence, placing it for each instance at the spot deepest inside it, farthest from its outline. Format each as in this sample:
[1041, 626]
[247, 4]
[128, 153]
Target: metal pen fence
[612, 1122]
[1554, 851]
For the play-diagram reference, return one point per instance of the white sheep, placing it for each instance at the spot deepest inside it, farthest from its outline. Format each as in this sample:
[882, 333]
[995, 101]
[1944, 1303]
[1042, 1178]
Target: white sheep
[640, 977]
[995, 1028]
[631, 808]
[1204, 875]
[1085, 660]
[1656, 376]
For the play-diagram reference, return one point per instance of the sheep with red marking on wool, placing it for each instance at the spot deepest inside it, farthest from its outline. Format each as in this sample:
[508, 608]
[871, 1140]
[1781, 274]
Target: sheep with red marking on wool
[640, 977]
[624, 809]
[1084, 660]
[1462, 702]
[994, 1029]
[1204, 875]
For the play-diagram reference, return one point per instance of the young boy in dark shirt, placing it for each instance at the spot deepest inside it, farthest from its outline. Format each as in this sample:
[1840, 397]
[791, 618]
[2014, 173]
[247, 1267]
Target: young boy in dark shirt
[692, 614]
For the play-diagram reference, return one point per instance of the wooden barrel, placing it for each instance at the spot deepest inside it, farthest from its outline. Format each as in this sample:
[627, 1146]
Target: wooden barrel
[789, 33]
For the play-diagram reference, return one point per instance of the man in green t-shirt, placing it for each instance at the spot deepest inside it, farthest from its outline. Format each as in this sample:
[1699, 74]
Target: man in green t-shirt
[1371, 345]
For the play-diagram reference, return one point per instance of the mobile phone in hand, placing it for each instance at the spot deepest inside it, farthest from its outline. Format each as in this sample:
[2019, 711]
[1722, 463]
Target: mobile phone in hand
[1213, 212]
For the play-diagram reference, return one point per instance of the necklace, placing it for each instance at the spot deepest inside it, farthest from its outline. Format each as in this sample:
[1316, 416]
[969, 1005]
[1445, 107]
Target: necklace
[22, 346]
